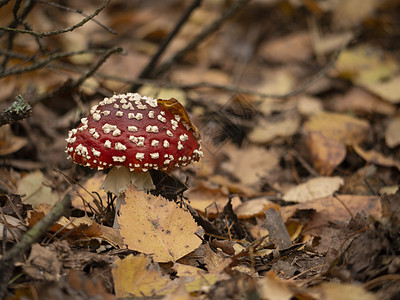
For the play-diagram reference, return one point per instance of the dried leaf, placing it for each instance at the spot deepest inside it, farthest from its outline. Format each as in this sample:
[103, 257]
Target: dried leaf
[33, 192]
[293, 47]
[326, 153]
[176, 108]
[43, 264]
[266, 131]
[388, 90]
[250, 163]
[255, 207]
[365, 65]
[210, 200]
[78, 229]
[335, 209]
[375, 157]
[313, 189]
[9, 143]
[273, 288]
[137, 276]
[361, 101]
[334, 291]
[155, 226]
[339, 127]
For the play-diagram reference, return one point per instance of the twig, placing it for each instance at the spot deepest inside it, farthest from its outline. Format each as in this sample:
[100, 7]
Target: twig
[32, 236]
[78, 11]
[17, 111]
[227, 14]
[146, 72]
[60, 31]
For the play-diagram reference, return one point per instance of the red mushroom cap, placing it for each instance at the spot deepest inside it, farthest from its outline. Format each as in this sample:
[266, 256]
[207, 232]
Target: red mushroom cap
[137, 132]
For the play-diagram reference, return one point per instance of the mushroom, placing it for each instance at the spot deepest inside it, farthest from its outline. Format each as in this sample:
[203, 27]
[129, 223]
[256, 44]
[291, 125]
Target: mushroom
[132, 134]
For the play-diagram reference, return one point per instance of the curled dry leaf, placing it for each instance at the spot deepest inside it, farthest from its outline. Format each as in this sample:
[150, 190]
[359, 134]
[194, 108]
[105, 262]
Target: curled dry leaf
[210, 200]
[313, 189]
[155, 226]
[254, 208]
[327, 134]
[81, 229]
[9, 143]
[137, 276]
[375, 157]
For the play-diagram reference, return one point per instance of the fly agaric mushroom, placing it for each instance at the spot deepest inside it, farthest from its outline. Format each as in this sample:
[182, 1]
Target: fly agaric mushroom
[131, 134]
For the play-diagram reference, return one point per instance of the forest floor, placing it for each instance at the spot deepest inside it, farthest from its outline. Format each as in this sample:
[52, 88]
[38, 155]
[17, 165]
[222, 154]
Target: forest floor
[297, 195]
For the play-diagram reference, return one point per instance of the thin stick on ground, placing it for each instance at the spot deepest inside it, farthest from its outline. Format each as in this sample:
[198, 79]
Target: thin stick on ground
[33, 235]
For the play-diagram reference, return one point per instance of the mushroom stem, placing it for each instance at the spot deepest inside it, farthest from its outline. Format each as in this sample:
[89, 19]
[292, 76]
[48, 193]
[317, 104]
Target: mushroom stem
[118, 180]
[120, 200]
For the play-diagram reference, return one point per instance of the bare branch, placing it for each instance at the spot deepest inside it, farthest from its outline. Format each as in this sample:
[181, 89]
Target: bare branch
[60, 31]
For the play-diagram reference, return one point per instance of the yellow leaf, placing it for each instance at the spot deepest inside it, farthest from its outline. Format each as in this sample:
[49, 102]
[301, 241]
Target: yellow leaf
[339, 127]
[33, 192]
[137, 276]
[155, 226]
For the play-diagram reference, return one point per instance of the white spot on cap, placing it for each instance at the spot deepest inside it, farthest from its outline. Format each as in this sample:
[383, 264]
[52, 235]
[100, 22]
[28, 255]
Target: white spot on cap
[174, 124]
[128, 106]
[93, 109]
[155, 143]
[106, 112]
[96, 153]
[154, 155]
[131, 115]
[119, 113]
[144, 170]
[132, 128]
[183, 137]
[123, 101]
[119, 158]
[140, 105]
[153, 129]
[139, 116]
[169, 133]
[162, 112]
[161, 118]
[151, 101]
[166, 144]
[166, 162]
[107, 144]
[107, 128]
[177, 117]
[116, 106]
[139, 156]
[180, 146]
[71, 140]
[151, 114]
[92, 130]
[120, 146]
[84, 121]
[96, 135]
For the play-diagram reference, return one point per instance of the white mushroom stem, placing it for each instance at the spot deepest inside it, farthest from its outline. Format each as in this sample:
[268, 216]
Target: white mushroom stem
[118, 180]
